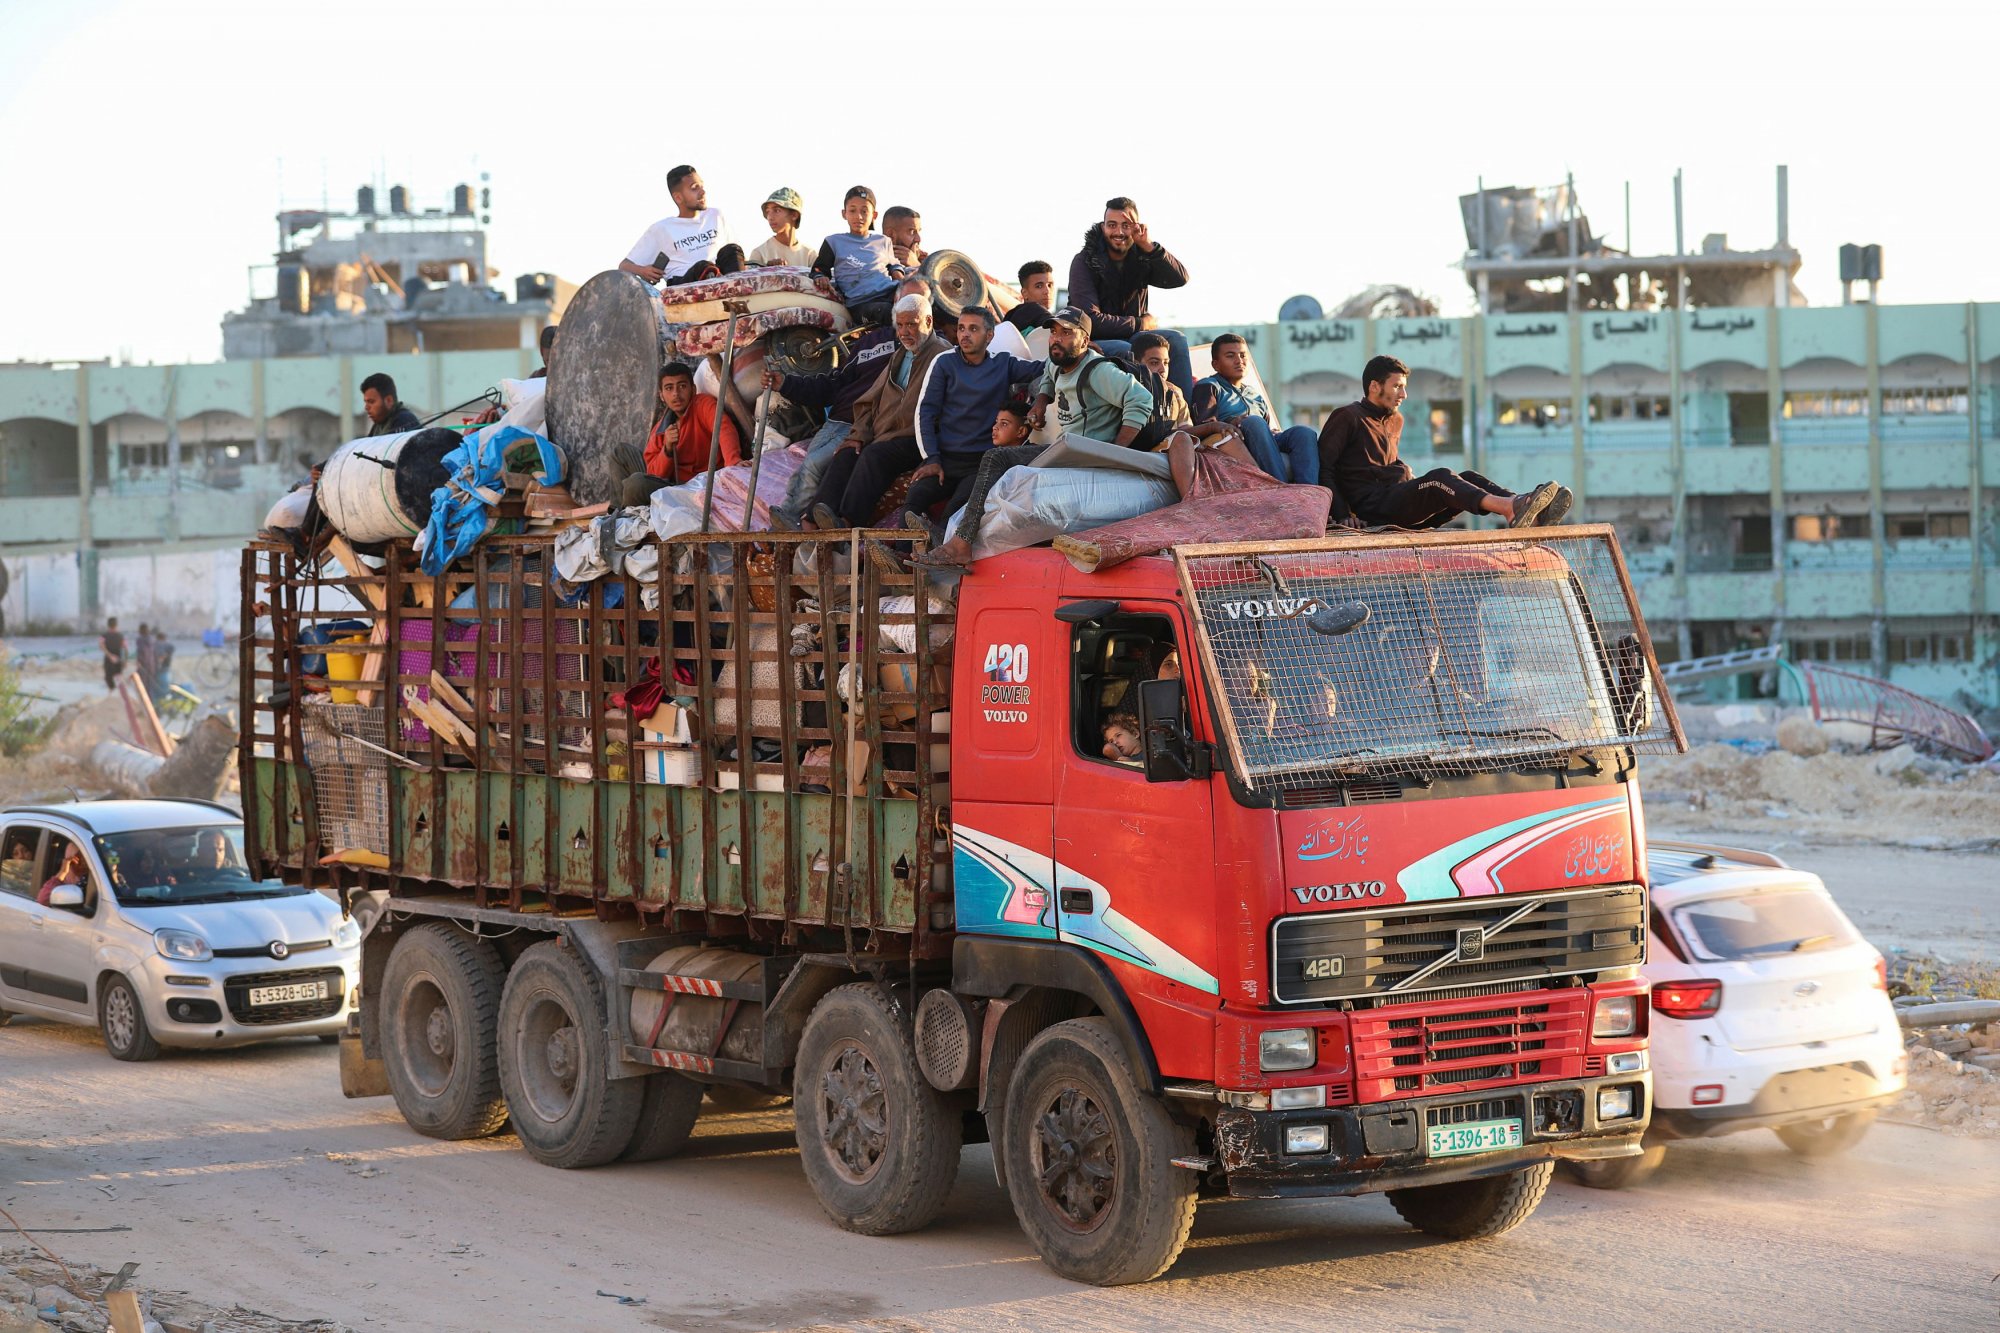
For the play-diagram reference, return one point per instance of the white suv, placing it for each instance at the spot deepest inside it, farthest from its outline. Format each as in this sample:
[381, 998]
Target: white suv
[1769, 1010]
[141, 918]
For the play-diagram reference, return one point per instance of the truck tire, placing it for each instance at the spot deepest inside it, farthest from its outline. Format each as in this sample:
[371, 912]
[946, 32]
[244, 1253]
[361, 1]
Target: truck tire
[440, 1009]
[1091, 1159]
[669, 1104]
[556, 1062]
[1474, 1209]
[879, 1145]
[123, 1023]
[1617, 1173]
[1826, 1138]
[732, 1097]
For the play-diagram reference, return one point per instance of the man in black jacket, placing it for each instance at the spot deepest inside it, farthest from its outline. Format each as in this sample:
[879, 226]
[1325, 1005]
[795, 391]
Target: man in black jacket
[386, 413]
[1109, 280]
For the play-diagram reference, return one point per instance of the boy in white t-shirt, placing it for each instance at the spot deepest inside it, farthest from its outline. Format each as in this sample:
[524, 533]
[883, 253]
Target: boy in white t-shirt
[688, 238]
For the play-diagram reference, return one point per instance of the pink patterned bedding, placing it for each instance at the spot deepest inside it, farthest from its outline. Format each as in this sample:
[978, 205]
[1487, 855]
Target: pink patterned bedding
[750, 282]
[703, 339]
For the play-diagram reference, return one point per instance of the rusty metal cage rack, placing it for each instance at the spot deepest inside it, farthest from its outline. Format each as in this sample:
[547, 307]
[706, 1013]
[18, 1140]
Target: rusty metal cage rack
[531, 675]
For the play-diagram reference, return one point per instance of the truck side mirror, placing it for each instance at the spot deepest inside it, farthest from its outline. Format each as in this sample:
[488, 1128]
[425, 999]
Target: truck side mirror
[1171, 755]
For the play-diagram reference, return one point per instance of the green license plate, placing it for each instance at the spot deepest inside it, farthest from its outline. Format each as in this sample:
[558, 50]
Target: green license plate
[1477, 1136]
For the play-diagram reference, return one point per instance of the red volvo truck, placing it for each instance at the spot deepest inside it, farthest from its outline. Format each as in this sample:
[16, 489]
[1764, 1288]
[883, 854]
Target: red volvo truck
[1365, 912]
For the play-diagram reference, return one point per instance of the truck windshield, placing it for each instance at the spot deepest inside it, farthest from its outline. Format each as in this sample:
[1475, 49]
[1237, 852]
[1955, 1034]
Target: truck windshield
[178, 866]
[1465, 658]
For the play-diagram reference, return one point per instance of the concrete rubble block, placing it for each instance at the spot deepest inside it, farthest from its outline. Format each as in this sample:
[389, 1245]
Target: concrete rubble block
[1803, 737]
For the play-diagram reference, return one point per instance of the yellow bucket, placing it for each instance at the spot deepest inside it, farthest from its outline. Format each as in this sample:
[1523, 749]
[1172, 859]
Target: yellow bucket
[345, 666]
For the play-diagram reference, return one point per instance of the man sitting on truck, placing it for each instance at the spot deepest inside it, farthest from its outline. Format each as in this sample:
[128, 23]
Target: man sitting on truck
[904, 227]
[1111, 277]
[677, 450]
[883, 443]
[1225, 397]
[386, 413]
[1359, 464]
[673, 245]
[962, 391]
[1038, 296]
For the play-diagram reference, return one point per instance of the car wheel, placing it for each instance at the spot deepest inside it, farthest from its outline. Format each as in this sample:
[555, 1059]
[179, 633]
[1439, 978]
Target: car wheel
[1474, 1209]
[123, 1022]
[1826, 1138]
[440, 1001]
[556, 1062]
[1617, 1173]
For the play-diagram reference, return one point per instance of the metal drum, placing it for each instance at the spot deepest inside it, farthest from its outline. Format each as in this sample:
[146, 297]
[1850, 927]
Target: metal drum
[604, 380]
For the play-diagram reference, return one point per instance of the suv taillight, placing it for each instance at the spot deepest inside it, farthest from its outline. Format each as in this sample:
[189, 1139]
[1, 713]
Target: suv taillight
[1881, 973]
[1687, 999]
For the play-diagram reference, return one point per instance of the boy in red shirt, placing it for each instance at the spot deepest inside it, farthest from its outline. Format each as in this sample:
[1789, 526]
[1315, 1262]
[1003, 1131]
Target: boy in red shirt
[677, 450]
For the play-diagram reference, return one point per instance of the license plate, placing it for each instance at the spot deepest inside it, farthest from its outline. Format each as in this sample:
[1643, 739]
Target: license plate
[1477, 1136]
[304, 990]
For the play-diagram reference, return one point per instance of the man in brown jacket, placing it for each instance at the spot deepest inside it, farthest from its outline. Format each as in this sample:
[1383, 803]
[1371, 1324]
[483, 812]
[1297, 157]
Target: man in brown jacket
[883, 443]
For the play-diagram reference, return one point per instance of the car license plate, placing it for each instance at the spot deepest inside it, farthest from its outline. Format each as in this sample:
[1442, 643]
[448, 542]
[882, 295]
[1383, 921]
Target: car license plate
[304, 990]
[1478, 1136]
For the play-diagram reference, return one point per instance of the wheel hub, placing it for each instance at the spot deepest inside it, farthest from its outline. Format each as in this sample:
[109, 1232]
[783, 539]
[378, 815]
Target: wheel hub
[854, 1114]
[437, 1033]
[1078, 1160]
[562, 1054]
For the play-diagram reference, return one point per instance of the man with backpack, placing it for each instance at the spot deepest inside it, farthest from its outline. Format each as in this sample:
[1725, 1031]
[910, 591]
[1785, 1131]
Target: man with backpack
[1095, 396]
[1289, 455]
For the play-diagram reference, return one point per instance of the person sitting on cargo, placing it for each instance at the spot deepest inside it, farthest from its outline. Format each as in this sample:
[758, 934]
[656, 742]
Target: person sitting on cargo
[835, 393]
[862, 263]
[1152, 350]
[1358, 462]
[904, 227]
[729, 259]
[547, 343]
[678, 449]
[386, 413]
[1038, 297]
[673, 245]
[1111, 276]
[1093, 395]
[1227, 397]
[783, 211]
[883, 443]
[963, 390]
[1122, 743]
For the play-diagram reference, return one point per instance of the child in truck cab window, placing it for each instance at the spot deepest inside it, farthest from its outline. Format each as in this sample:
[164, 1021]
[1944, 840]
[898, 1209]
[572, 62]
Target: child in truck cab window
[1121, 738]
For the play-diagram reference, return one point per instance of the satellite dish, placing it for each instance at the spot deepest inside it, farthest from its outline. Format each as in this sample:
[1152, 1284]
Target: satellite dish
[1300, 307]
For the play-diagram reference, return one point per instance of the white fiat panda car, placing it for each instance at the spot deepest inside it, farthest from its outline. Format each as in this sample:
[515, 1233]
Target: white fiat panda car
[1769, 1011]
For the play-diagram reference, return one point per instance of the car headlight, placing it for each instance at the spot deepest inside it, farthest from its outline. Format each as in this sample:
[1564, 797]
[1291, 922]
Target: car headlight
[182, 945]
[347, 933]
[1285, 1048]
[1617, 1016]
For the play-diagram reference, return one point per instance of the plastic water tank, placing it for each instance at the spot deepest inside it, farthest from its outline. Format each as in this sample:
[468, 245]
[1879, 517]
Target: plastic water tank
[399, 200]
[294, 289]
[364, 201]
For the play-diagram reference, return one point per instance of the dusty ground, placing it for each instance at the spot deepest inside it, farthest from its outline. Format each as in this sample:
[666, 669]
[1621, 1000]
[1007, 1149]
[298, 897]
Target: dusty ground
[247, 1180]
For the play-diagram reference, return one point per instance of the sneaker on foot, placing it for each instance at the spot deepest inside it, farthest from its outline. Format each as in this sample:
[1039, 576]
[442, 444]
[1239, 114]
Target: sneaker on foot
[1558, 509]
[825, 519]
[1529, 507]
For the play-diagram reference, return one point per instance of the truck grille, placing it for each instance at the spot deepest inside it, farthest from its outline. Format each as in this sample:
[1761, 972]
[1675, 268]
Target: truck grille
[1363, 953]
[1448, 1046]
[237, 991]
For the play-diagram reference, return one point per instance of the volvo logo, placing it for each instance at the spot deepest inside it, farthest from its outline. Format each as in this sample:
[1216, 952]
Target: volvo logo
[1471, 944]
[280, 949]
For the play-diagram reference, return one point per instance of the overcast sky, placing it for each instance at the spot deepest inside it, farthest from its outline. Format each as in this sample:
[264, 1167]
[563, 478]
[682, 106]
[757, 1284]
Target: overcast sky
[1277, 148]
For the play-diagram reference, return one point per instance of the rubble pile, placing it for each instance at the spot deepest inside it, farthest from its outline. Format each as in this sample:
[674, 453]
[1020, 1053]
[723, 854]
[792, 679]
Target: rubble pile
[39, 1295]
[1954, 1066]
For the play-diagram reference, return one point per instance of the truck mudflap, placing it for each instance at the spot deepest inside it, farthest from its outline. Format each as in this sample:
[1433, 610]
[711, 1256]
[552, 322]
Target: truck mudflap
[1383, 1146]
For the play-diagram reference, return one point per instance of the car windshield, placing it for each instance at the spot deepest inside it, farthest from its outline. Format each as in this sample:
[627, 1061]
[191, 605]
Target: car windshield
[156, 867]
[1762, 925]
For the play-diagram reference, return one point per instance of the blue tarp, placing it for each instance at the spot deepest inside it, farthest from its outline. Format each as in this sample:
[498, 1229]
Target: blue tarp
[462, 510]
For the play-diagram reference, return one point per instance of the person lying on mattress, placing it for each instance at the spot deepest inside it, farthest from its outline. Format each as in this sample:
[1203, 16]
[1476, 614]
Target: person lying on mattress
[861, 262]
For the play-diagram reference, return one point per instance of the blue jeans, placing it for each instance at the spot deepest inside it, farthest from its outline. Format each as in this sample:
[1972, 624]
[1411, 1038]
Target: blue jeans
[1291, 455]
[819, 450]
[1180, 370]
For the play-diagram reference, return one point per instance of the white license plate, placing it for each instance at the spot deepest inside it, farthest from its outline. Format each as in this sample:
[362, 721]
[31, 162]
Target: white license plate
[304, 990]
[1477, 1136]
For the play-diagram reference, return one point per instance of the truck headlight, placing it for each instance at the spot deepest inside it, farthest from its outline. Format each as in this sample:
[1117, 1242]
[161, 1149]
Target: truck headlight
[1305, 1139]
[1285, 1048]
[1614, 1104]
[1616, 1016]
[182, 945]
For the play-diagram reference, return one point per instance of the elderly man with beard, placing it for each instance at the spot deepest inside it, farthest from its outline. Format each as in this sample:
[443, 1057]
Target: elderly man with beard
[883, 443]
[1093, 397]
[1110, 280]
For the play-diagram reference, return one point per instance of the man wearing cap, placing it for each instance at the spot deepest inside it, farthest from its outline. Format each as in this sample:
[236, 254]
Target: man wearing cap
[1093, 397]
[690, 237]
[1110, 279]
[783, 211]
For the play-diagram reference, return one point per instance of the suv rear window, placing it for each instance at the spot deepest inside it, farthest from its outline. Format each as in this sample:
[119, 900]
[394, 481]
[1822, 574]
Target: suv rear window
[1758, 925]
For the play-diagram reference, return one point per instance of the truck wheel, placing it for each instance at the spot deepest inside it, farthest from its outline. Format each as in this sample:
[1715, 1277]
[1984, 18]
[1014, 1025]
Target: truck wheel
[1826, 1138]
[879, 1146]
[556, 1059]
[1617, 1173]
[440, 1007]
[1474, 1209]
[730, 1097]
[1090, 1159]
[668, 1107]
[123, 1022]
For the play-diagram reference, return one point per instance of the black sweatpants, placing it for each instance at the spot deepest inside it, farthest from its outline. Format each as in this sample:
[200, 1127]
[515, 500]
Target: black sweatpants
[961, 470]
[854, 480]
[1429, 501]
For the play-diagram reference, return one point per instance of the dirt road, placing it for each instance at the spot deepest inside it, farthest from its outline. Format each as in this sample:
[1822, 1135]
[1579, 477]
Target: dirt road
[246, 1178]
